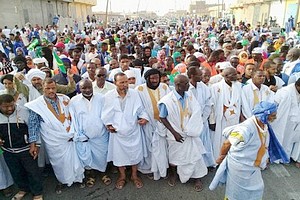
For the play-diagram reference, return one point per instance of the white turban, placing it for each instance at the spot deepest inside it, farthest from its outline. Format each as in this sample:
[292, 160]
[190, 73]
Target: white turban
[35, 73]
[129, 74]
[40, 60]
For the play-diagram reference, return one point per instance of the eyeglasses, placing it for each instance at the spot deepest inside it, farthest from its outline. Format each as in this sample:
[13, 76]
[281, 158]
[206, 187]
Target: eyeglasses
[101, 75]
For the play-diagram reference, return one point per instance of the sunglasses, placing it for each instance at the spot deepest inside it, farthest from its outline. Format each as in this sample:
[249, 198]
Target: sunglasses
[101, 75]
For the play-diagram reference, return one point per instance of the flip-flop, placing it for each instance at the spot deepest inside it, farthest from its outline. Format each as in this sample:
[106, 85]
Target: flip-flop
[198, 187]
[59, 188]
[19, 196]
[120, 183]
[172, 181]
[106, 180]
[40, 197]
[137, 182]
[90, 182]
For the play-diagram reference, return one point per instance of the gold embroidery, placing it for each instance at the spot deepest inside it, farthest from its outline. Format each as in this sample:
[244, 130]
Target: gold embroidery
[165, 87]
[262, 149]
[61, 117]
[183, 112]
[154, 103]
[140, 88]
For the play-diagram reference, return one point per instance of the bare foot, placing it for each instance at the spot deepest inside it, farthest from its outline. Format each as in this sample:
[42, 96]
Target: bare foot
[198, 185]
[297, 164]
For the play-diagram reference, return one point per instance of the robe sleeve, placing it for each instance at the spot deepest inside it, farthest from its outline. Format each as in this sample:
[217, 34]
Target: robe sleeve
[163, 112]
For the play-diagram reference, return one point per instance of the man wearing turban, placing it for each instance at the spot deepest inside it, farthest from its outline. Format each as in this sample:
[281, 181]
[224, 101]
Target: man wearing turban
[245, 152]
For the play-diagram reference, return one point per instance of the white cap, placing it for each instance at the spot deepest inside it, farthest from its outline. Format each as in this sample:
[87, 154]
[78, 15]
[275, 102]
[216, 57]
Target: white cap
[257, 50]
[129, 73]
[223, 65]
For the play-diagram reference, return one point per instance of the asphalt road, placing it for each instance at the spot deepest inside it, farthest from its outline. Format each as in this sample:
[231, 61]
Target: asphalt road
[282, 182]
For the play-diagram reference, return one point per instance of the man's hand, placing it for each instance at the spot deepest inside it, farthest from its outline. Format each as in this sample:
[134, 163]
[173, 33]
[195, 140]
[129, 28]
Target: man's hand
[111, 129]
[178, 137]
[274, 88]
[70, 74]
[20, 76]
[34, 150]
[220, 159]
[1, 142]
[142, 121]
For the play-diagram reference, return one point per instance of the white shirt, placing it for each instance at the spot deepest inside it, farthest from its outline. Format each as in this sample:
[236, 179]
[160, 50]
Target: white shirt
[107, 87]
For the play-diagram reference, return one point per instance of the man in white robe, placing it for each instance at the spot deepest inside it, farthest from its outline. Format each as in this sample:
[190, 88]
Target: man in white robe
[91, 138]
[123, 115]
[155, 133]
[181, 114]
[226, 99]
[203, 96]
[100, 85]
[255, 92]
[287, 126]
[49, 117]
[244, 154]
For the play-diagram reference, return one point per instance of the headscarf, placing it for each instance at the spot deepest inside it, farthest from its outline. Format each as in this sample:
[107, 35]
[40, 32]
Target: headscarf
[276, 151]
[9, 77]
[263, 110]
[148, 74]
[174, 56]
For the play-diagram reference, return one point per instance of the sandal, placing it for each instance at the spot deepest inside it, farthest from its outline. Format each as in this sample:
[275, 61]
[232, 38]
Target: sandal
[120, 183]
[7, 192]
[172, 181]
[137, 182]
[150, 176]
[198, 187]
[106, 180]
[59, 188]
[39, 197]
[90, 182]
[19, 195]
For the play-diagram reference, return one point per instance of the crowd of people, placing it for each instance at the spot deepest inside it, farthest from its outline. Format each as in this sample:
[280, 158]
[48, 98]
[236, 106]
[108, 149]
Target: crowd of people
[170, 103]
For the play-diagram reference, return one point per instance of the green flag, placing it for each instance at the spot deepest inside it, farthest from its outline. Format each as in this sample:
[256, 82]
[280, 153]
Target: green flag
[33, 44]
[60, 63]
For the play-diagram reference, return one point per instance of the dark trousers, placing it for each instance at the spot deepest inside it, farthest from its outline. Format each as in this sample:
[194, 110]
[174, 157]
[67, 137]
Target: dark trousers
[25, 172]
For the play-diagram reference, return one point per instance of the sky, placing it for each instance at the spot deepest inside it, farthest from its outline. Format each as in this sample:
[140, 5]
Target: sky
[161, 7]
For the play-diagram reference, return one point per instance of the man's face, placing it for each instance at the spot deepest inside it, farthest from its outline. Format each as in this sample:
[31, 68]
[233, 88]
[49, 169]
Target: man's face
[154, 80]
[131, 80]
[124, 64]
[272, 117]
[9, 85]
[234, 62]
[147, 52]
[7, 108]
[104, 47]
[122, 83]
[172, 43]
[165, 79]
[272, 70]
[206, 76]
[101, 75]
[37, 83]
[259, 78]
[113, 64]
[86, 88]
[248, 70]
[182, 85]
[197, 77]
[91, 69]
[279, 65]
[232, 76]
[257, 56]
[49, 90]
[76, 54]
[137, 49]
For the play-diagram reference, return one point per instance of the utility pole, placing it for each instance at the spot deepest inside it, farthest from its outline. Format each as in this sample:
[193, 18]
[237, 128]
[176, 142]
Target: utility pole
[106, 14]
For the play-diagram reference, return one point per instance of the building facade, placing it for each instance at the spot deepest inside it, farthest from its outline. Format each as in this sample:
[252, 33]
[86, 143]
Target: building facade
[42, 12]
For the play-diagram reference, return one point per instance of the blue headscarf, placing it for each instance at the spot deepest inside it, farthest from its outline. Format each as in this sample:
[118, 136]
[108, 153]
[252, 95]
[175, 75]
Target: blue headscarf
[276, 151]
[263, 109]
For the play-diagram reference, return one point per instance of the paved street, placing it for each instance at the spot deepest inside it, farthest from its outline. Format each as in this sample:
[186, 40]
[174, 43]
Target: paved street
[282, 183]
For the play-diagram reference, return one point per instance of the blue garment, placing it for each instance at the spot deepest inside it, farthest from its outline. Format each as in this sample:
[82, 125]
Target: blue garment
[296, 68]
[163, 112]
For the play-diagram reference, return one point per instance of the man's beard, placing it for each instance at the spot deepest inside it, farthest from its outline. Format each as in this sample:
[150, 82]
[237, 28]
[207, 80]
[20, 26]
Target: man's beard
[11, 92]
[151, 86]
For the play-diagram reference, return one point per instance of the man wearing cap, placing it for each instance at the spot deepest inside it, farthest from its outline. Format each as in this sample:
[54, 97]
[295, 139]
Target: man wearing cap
[33, 89]
[50, 119]
[226, 110]
[60, 47]
[287, 126]
[40, 62]
[151, 92]
[220, 66]
[180, 113]
[292, 60]
[244, 154]
[257, 58]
